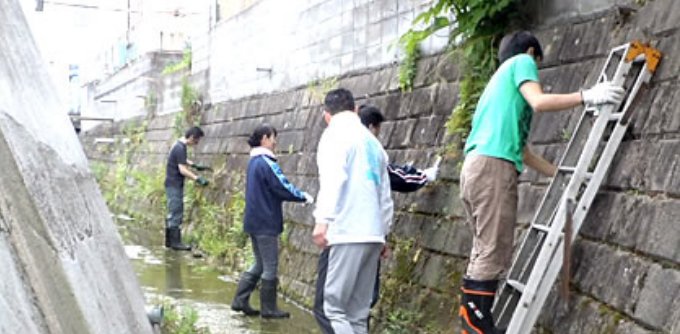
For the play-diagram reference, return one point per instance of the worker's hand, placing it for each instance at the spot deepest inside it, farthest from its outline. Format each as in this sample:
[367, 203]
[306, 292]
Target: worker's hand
[201, 181]
[431, 173]
[309, 199]
[604, 92]
[199, 167]
[319, 235]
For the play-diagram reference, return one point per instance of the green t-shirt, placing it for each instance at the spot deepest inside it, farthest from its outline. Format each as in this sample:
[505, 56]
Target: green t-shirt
[502, 119]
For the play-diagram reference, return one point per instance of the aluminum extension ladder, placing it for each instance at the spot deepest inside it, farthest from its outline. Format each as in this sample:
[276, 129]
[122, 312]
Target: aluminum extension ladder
[571, 192]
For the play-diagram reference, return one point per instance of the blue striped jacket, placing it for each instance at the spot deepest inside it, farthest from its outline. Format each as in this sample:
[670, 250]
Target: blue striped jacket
[266, 189]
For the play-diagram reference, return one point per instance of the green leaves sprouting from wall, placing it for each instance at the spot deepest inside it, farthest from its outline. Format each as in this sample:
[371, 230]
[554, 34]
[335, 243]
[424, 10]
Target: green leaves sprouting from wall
[476, 27]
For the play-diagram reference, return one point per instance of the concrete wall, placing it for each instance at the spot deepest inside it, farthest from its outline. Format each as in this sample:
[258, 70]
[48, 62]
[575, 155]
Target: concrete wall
[123, 94]
[295, 42]
[626, 269]
[64, 267]
[141, 89]
[546, 12]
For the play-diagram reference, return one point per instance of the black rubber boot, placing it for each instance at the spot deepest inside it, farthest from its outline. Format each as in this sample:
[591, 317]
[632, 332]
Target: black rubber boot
[174, 234]
[268, 300]
[241, 301]
[167, 237]
[475, 308]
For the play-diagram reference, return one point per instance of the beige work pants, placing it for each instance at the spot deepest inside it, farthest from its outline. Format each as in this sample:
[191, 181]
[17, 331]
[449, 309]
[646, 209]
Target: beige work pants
[489, 193]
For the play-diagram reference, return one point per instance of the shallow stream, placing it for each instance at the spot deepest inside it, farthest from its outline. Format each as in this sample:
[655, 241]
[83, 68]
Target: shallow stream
[170, 275]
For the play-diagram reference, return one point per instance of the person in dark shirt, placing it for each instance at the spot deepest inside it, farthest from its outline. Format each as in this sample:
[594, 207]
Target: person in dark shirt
[404, 179]
[266, 189]
[177, 169]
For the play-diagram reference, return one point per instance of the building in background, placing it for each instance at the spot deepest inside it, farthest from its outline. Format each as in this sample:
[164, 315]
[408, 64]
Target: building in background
[124, 77]
[152, 26]
[239, 48]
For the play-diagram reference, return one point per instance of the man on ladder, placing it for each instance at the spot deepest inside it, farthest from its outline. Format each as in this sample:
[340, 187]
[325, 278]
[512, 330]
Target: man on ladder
[495, 154]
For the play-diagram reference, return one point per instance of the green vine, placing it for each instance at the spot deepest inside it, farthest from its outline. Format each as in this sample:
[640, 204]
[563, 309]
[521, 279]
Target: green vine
[410, 42]
[396, 287]
[183, 64]
[218, 228]
[477, 28]
[318, 89]
[191, 103]
[151, 103]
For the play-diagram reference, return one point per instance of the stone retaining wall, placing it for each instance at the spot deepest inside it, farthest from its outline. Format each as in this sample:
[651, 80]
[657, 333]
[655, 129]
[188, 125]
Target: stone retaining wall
[626, 270]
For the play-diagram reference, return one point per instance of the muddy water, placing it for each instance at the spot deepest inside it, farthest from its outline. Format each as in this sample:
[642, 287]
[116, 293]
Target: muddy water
[177, 276]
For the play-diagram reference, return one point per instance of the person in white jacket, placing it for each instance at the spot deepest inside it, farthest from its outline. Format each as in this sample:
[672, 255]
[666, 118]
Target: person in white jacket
[353, 213]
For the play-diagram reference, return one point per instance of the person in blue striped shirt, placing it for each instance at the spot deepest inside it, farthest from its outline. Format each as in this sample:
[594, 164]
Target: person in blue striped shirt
[266, 190]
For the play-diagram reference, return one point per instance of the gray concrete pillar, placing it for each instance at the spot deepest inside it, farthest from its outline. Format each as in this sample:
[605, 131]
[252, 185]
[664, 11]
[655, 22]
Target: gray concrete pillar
[63, 268]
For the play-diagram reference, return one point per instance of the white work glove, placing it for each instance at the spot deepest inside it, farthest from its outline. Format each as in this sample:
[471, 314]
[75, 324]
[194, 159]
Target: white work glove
[602, 93]
[309, 199]
[431, 173]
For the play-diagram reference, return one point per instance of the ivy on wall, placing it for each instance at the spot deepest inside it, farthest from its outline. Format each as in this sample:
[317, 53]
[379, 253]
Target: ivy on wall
[191, 102]
[318, 89]
[476, 28]
[183, 64]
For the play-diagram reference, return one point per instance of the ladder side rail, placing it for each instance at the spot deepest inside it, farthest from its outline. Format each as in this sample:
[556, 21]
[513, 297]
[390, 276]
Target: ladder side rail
[548, 206]
[607, 155]
[507, 294]
[551, 241]
[549, 203]
[643, 79]
[526, 257]
[552, 244]
[623, 50]
[579, 217]
[549, 278]
[531, 240]
[572, 148]
[579, 176]
[583, 206]
[523, 257]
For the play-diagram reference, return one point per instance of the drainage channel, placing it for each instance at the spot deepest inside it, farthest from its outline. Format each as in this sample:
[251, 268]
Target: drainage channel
[187, 281]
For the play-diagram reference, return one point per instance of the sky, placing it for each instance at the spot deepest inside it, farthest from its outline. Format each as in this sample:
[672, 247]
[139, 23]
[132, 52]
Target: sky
[67, 32]
[76, 31]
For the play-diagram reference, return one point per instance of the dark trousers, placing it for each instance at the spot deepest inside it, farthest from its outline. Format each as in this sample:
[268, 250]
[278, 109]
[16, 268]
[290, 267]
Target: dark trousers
[318, 311]
[175, 202]
[266, 250]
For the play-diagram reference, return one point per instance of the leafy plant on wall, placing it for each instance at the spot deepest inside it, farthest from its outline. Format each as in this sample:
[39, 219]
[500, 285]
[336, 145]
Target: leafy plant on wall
[476, 28]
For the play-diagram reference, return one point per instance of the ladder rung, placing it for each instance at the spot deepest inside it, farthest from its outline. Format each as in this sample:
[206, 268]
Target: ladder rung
[573, 170]
[592, 109]
[516, 285]
[556, 217]
[566, 169]
[541, 228]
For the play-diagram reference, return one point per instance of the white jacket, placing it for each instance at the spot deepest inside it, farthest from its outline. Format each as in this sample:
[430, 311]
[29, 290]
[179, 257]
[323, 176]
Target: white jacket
[354, 196]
